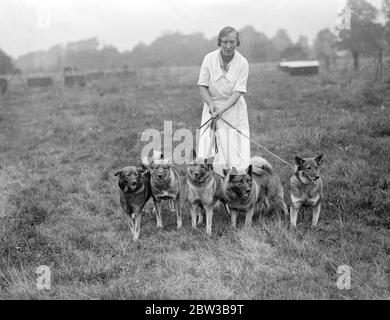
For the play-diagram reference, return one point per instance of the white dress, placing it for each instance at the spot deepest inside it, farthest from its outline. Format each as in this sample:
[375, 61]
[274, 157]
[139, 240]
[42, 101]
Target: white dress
[233, 149]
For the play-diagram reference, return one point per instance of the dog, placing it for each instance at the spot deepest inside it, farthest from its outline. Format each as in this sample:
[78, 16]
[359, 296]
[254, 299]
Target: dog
[271, 189]
[241, 193]
[204, 190]
[258, 185]
[135, 191]
[165, 184]
[306, 188]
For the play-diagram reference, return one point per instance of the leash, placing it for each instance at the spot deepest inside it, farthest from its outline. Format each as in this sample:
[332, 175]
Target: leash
[293, 167]
[206, 123]
[212, 124]
[213, 128]
[260, 146]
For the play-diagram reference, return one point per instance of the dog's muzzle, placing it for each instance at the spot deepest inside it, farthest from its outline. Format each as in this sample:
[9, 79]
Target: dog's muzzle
[246, 194]
[133, 185]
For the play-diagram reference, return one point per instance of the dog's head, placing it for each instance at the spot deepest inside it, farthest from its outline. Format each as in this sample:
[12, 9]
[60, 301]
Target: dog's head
[160, 170]
[238, 183]
[158, 167]
[309, 168]
[130, 178]
[200, 169]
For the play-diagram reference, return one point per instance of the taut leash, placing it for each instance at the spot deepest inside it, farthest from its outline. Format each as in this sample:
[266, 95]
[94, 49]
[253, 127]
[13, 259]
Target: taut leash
[259, 145]
[213, 128]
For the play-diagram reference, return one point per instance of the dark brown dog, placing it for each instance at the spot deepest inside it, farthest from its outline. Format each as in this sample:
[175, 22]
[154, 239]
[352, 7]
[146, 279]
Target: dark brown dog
[306, 187]
[135, 191]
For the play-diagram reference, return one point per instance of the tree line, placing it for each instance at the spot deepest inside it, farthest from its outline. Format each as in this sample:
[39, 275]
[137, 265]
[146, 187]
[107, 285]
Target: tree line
[169, 49]
[364, 36]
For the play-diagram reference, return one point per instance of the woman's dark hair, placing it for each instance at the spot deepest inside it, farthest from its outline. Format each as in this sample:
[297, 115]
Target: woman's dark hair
[224, 32]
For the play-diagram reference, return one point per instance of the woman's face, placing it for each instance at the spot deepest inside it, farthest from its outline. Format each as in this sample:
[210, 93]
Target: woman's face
[229, 44]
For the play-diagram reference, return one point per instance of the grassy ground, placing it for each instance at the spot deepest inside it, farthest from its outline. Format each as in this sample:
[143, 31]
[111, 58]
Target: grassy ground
[59, 203]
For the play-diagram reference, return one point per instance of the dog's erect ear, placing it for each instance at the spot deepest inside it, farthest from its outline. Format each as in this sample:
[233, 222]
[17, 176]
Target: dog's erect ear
[319, 159]
[210, 165]
[249, 170]
[157, 155]
[234, 171]
[299, 161]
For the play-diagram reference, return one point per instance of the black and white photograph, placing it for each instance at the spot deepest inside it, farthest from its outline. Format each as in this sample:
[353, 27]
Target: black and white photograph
[212, 152]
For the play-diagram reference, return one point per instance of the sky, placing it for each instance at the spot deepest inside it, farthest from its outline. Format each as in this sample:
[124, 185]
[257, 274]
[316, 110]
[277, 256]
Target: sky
[31, 25]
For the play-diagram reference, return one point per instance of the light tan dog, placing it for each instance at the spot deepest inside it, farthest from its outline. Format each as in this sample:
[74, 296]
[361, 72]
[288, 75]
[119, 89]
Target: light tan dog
[306, 188]
[165, 184]
[204, 190]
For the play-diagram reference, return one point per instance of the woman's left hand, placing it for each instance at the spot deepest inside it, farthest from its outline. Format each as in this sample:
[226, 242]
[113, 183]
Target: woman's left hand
[219, 113]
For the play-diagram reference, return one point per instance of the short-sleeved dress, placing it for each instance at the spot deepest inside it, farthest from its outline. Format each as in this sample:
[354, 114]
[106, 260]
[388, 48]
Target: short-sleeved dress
[233, 149]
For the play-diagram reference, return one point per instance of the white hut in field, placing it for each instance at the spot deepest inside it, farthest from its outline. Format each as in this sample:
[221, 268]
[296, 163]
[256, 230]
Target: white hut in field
[300, 68]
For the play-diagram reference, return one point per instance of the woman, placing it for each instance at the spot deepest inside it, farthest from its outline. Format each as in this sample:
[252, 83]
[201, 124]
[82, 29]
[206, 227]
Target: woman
[222, 82]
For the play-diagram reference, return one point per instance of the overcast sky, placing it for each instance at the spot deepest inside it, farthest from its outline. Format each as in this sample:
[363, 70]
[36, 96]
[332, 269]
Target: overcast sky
[30, 25]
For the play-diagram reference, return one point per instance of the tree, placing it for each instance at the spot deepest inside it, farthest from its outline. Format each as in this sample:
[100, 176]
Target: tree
[255, 46]
[281, 40]
[365, 35]
[294, 52]
[6, 63]
[325, 47]
[303, 42]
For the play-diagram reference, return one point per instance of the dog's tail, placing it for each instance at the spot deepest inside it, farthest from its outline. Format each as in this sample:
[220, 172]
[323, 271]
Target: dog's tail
[261, 166]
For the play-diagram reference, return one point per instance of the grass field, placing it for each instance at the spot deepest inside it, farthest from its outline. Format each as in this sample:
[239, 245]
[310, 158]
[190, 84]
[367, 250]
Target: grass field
[59, 203]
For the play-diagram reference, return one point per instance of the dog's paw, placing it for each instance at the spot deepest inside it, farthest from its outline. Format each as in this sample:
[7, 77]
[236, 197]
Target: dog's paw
[315, 228]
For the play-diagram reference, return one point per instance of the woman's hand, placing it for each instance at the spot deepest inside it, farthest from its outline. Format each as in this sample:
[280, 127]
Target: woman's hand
[212, 108]
[217, 114]
[220, 113]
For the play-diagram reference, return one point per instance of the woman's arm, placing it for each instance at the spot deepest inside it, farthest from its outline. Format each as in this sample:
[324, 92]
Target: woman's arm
[238, 90]
[230, 102]
[206, 97]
